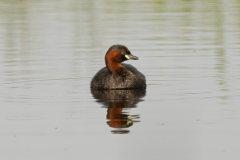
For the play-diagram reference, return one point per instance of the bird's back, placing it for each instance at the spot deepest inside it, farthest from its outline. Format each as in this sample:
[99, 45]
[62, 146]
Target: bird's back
[105, 79]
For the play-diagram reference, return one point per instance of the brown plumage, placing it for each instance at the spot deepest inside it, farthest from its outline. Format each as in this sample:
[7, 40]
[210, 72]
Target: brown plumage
[117, 75]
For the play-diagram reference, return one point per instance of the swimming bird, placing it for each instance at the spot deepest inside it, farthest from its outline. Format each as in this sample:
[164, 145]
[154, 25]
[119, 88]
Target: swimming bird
[118, 75]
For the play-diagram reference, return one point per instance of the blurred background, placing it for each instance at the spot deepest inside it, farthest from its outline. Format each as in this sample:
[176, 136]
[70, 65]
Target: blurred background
[189, 51]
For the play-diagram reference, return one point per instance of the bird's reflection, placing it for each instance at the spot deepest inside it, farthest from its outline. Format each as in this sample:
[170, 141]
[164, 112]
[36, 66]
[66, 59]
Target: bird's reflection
[118, 102]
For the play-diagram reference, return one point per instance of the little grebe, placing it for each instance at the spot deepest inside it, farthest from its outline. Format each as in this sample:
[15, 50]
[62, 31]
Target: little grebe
[117, 75]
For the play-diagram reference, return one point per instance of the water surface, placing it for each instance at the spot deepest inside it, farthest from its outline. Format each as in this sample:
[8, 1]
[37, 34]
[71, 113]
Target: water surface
[189, 52]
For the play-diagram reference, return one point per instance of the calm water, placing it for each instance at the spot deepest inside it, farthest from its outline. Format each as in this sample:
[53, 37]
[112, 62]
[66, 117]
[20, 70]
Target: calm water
[189, 51]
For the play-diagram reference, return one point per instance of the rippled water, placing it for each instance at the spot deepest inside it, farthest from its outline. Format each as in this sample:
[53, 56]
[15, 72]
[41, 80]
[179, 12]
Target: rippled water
[189, 51]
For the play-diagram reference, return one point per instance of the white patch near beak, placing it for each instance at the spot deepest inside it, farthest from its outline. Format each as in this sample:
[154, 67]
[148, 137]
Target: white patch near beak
[127, 56]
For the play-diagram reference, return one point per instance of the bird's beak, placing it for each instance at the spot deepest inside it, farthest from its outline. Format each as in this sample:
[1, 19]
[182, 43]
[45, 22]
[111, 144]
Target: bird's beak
[129, 56]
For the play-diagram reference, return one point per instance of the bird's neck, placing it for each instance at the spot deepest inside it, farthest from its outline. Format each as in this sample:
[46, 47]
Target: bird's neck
[112, 62]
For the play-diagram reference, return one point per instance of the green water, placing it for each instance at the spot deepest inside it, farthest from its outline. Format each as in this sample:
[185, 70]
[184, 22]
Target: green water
[189, 51]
